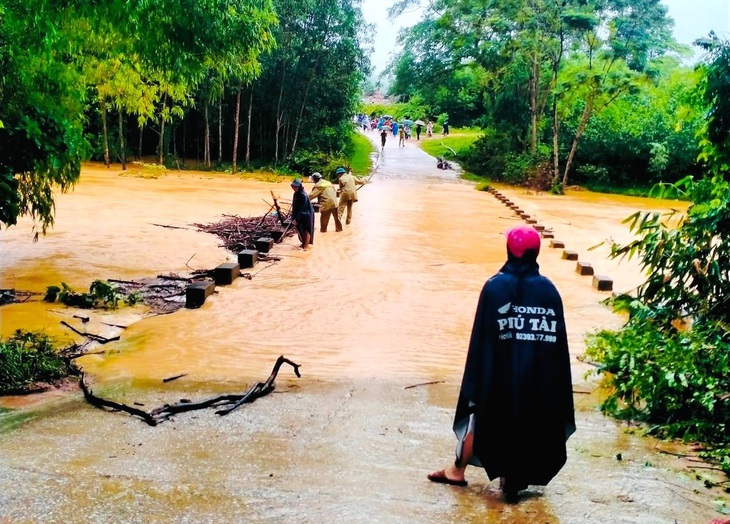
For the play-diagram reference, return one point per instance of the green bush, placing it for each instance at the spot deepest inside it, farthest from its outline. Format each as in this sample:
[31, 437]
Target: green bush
[28, 358]
[100, 293]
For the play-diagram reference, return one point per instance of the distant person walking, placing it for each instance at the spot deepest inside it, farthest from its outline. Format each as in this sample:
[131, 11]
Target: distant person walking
[302, 213]
[418, 131]
[429, 129]
[383, 137]
[326, 196]
[446, 127]
[515, 407]
[395, 128]
[402, 137]
[348, 192]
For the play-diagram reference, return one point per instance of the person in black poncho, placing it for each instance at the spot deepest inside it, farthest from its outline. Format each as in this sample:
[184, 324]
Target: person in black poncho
[302, 212]
[515, 408]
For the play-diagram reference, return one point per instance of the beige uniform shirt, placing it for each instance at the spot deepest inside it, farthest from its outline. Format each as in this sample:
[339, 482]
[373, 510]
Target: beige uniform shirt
[325, 192]
[348, 187]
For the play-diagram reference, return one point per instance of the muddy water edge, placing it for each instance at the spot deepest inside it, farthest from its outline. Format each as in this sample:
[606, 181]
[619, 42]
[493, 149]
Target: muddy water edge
[384, 305]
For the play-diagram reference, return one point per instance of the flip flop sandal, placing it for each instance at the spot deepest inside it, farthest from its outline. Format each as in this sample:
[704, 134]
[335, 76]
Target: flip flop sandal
[440, 478]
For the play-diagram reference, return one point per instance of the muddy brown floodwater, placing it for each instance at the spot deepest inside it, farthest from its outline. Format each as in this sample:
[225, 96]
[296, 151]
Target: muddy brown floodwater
[386, 304]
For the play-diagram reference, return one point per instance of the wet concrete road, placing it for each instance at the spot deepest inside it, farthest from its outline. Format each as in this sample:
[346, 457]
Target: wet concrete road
[385, 305]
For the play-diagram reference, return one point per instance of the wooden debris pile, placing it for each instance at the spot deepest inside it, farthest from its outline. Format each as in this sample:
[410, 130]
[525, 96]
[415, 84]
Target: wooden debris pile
[163, 294]
[227, 403]
[14, 296]
[239, 233]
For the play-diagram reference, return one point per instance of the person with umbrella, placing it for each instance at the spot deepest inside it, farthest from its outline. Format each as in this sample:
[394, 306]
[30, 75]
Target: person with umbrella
[419, 126]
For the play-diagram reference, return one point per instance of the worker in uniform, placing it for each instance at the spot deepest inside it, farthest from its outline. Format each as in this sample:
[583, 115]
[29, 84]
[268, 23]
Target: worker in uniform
[348, 192]
[326, 196]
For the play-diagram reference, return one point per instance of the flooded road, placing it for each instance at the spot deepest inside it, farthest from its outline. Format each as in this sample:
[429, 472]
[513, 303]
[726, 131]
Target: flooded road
[367, 312]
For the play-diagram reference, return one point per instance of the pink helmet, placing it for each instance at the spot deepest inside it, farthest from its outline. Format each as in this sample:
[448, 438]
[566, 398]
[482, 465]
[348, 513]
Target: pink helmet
[522, 239]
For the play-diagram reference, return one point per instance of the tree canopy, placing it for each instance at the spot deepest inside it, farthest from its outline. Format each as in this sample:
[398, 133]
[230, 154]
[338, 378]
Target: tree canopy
[538, 74]
[109, 80]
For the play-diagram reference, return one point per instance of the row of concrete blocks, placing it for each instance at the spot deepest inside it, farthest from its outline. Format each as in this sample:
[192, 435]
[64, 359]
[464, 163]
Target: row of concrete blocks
[225, 274]
[600, 282]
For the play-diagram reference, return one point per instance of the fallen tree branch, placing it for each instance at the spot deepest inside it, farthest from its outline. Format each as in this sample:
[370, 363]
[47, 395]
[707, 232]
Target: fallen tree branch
[92, 336]
[162, 413]
[103, 403]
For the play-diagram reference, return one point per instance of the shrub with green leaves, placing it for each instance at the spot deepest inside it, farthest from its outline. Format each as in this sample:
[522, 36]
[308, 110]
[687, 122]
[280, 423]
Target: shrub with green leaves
[670, 364]
[28, 358]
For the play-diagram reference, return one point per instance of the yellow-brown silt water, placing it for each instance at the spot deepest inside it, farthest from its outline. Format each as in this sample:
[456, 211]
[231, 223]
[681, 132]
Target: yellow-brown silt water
[386, 304]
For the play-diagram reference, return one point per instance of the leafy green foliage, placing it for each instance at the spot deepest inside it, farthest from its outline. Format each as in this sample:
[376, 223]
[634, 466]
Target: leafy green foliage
[101, 294]
[670, 364]
[28, 358]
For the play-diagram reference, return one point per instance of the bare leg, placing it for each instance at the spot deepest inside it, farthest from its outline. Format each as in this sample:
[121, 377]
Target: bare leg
[456, 470]
[305, 241]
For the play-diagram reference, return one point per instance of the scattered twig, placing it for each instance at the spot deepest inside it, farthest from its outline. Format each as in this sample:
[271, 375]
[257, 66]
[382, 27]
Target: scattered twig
[174, 377]
[171, 227]
[186, 263]
[425, 384]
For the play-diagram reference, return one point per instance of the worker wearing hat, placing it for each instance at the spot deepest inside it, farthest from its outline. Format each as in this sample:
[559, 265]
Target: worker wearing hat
[348, 192]
[326, 195]
[515, 407]
[302, 213]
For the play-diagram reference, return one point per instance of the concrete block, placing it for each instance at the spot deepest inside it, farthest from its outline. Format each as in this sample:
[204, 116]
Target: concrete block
[248, 258]
[570, 255]
[197, 292]
[277, 236]
[531, 221]
[547, 234]
[557, 244]
[602, 283]
[584, 268]
[539, 227]
[264, 244]
[226, 273]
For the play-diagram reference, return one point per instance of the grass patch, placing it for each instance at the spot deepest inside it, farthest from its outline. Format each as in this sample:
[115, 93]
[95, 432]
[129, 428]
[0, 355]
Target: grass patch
[460, 140]
[359, 154]
[29, 358]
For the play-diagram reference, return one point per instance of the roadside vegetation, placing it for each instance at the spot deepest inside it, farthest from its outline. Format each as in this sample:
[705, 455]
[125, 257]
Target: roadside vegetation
[359, 155]
[670, 364]
[564, 93]
[29, 360]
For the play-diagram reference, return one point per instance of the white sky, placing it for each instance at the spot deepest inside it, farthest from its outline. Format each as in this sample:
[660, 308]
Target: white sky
[692, 19]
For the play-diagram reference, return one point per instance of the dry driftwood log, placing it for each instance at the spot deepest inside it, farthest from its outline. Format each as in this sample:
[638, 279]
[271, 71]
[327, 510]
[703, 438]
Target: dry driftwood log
[162, 413]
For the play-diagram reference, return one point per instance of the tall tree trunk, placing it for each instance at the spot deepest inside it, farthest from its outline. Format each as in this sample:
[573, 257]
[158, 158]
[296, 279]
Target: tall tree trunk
[556, 143]
[248, 133]
[236, 127]
[106, 133]
[587, 112]
[279, 115]
[220, 131]
[141, 135]
[301, 108]
[533, 83]
[122, 149]
[184, 144]
[173, 137]
[161, 146]
[206, 140]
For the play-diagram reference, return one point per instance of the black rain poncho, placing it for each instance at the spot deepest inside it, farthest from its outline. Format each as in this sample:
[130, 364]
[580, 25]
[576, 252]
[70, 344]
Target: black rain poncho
[517, 381]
